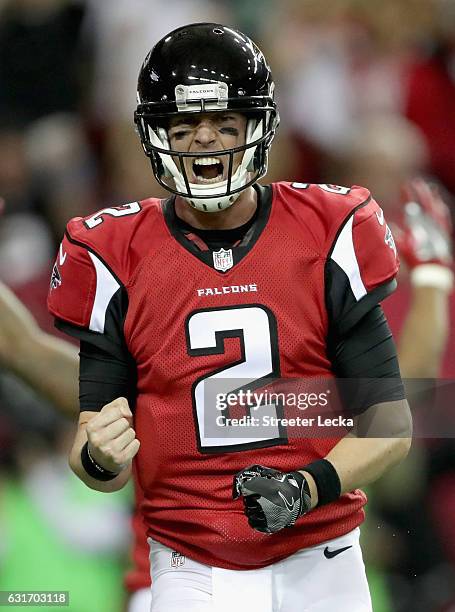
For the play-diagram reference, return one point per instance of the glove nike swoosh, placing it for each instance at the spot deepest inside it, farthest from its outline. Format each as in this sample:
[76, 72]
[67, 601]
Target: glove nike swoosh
[289, 505]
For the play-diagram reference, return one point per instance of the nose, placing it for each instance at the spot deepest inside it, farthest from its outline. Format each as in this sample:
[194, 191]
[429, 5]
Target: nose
[205, 134]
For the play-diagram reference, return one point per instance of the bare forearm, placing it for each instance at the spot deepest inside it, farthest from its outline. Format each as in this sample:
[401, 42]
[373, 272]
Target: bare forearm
[424, 333]
[361, 461]
[51, 367]
[382, 439]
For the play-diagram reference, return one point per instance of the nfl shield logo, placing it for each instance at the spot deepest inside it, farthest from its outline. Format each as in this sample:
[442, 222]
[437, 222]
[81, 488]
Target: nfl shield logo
[177, 559]
[222, 260]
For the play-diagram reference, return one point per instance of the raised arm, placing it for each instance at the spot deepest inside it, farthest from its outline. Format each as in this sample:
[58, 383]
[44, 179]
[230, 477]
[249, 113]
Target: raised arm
[48, 364]
[424, 243]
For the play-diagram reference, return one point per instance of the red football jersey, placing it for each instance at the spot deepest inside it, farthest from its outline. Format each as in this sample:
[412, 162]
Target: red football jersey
[254, 311]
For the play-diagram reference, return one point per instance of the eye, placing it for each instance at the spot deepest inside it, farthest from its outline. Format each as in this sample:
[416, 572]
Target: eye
[232, 131]
[179, 135]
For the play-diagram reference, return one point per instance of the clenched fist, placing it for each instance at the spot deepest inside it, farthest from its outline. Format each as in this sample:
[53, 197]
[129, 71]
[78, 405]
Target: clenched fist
[272, 500]
[111, 439]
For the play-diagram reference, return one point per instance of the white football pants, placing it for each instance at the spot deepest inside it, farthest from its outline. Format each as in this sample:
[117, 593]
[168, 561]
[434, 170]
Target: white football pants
[140, 601]
[311, 580]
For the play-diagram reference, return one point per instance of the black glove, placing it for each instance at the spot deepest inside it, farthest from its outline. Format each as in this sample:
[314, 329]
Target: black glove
[272, 499]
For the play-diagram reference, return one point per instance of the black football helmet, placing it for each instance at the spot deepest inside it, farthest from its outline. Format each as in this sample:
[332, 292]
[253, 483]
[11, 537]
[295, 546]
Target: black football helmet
[206, 67]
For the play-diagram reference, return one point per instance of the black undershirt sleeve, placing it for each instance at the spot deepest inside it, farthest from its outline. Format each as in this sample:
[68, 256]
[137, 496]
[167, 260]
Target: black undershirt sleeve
[360, 345]
[104, 377]
[106, 369]
[366, 363]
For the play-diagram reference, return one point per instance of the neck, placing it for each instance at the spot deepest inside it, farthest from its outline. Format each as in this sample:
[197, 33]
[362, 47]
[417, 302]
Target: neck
[236, 215]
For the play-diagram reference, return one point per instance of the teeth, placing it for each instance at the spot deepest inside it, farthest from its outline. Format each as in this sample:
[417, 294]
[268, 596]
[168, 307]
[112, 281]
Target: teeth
[217, 179]
[206, 161]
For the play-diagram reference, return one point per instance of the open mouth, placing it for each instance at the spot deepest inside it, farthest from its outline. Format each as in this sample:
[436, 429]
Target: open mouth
[208, 170]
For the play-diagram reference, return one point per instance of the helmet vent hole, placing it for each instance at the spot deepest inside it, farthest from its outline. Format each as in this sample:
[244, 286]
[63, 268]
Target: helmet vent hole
[218, 31]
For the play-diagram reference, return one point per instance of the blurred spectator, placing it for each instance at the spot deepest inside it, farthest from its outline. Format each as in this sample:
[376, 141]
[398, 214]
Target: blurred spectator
[43, 74]
[47, 171]
[430, 94]
[39, 56]
[383, 153]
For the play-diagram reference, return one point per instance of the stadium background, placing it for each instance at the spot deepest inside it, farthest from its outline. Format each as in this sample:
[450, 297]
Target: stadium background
[366, 95]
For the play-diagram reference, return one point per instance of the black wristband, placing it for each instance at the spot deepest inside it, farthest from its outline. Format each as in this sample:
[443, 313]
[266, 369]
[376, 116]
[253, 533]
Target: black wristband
[93, 468]
[326, 479]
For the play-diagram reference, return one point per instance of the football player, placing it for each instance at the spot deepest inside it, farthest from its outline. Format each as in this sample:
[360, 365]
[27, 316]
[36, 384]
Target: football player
[222, 281]
[37, 356]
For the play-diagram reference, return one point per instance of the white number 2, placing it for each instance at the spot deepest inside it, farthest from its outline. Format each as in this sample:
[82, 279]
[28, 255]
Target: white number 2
[118, 211]
[325, 187]
[206, 331]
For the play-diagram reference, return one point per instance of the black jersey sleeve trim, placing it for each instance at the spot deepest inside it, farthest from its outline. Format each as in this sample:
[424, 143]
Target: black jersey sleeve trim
[101, 341]
[112, 341]
[340, 229]
[344, 311]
